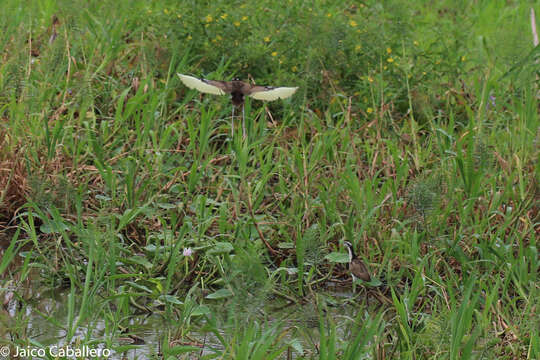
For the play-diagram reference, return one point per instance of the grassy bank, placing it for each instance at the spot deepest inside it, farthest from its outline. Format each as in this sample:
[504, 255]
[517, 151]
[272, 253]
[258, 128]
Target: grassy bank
[413, 135]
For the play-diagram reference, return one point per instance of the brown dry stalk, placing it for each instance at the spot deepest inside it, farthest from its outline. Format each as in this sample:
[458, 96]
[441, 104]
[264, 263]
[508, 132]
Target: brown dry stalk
[252, 213]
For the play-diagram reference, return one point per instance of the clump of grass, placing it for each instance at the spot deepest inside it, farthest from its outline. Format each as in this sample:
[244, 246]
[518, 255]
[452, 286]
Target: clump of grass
[250, 284]
[483, 157]
[14, 186]
[123, 168]
[425, 195]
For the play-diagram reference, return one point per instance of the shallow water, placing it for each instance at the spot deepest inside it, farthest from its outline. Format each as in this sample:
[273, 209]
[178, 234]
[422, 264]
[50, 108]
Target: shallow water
[45, 317]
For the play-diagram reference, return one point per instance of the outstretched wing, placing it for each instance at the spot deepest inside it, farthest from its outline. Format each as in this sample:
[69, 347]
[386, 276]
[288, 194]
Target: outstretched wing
[205, 86]
[269, 93]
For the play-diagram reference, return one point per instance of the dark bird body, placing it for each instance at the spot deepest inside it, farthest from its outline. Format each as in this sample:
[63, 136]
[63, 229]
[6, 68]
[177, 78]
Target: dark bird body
[238, 90]
[356, 266]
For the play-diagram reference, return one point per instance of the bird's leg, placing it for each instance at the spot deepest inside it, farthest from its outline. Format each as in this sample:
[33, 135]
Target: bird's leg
[243, 124]
[351, 256]
[232, 124]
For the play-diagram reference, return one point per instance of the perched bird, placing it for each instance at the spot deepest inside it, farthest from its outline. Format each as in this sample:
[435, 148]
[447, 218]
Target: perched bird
[356, 266]
[238, 89]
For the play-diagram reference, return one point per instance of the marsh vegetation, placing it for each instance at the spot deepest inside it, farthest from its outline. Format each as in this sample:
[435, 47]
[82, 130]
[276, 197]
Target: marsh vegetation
[131, 220]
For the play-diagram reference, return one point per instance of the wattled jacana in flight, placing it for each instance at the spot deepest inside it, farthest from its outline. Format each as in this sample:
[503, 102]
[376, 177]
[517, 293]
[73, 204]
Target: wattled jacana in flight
[356, 266]
[238, 89]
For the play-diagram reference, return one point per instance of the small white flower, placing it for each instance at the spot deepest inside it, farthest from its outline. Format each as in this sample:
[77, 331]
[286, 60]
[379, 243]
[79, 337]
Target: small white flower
[187, 252]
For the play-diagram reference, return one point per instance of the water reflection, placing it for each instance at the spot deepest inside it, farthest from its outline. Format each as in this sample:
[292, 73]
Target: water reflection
[46, 320]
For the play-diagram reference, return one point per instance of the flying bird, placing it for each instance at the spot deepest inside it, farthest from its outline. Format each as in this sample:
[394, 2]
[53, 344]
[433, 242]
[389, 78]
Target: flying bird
[238, 90]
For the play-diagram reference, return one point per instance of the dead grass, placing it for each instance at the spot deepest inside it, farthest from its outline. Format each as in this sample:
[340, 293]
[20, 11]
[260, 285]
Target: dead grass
[13, 181]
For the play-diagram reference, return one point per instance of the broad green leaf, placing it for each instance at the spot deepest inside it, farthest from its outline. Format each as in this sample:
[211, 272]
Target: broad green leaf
[337, 257]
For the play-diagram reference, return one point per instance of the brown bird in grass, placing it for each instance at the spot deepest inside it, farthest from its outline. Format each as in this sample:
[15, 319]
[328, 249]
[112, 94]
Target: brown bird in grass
[356, 266]
[238, 89]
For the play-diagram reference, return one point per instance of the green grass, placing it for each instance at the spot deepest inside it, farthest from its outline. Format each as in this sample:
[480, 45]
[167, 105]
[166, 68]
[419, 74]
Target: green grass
[414, 135]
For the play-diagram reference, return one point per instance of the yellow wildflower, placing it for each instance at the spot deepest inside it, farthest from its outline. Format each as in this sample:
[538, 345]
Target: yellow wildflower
[209, 18]
[274, 53]
[224, 16]
[267, 39]
[236, 23]
[244, 18]
[390, 60]
[353, 23]
[369, 110]
[389, 50]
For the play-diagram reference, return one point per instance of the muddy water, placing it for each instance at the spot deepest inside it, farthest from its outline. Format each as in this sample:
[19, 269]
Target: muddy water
[44, 318]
